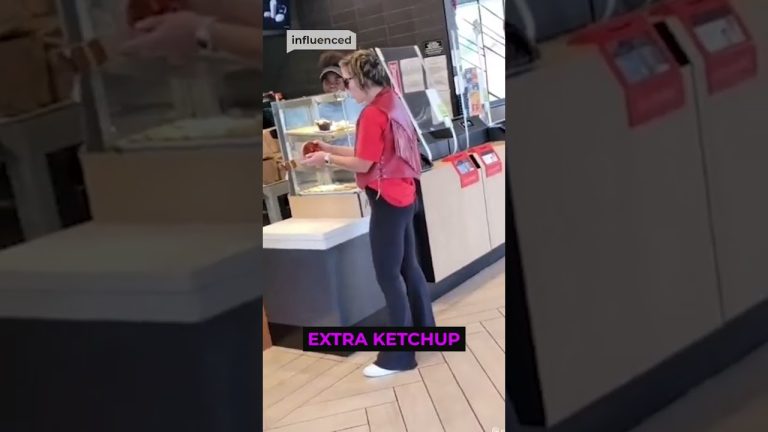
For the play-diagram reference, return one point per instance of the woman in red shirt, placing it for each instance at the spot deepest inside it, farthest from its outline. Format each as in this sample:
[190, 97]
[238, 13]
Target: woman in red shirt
[387, 163]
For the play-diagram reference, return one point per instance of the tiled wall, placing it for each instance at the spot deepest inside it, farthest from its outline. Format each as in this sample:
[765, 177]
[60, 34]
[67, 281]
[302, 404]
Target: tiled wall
[377, 23]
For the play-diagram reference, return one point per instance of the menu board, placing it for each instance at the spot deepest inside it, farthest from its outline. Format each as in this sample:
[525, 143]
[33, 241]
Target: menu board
[639, 58]
[718, 30]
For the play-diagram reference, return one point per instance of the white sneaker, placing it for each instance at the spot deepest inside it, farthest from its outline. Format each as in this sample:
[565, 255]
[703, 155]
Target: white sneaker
[373, 371]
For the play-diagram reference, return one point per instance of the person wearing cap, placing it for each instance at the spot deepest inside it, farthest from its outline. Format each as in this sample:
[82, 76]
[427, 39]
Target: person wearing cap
[331, 81]
[330, 74]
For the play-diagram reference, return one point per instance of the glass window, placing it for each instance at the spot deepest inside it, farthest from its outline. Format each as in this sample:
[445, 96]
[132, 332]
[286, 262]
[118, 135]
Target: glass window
[481, 44]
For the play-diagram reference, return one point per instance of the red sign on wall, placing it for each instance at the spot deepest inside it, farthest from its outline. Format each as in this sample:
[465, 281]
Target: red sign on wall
[641, 62]
[730, 55]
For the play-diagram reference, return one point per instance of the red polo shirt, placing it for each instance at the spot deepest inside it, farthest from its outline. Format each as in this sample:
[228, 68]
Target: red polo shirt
[400, 192]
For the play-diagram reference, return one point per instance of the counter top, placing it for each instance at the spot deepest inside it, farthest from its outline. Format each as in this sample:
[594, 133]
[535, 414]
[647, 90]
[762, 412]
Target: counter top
[312, 234]
[99, 271]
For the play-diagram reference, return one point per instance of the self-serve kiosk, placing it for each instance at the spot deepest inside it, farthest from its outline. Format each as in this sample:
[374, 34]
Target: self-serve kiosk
[490, 159]
[609, 202]
[465, 134]
[722, 38]
[456, 217]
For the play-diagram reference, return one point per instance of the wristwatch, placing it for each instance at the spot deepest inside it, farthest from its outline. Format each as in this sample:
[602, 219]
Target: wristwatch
[203, 35]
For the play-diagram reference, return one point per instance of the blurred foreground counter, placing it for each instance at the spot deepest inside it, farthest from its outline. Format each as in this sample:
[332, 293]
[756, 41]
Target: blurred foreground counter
[132, 327]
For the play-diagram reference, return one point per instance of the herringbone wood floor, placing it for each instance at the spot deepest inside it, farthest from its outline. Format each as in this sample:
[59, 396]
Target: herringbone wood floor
[450, 392]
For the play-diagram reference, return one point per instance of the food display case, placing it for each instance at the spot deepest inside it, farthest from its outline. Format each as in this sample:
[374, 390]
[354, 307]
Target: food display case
[171, 139]
[325, 118]
[332, 118]
[161, 102]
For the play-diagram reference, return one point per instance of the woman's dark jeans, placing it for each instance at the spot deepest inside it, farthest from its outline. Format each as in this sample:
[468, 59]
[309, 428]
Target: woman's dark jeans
[393, 247]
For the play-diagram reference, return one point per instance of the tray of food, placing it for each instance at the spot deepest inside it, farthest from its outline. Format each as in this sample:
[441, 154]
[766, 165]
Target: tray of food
[331, 189]
[196, 133]
[324, 128]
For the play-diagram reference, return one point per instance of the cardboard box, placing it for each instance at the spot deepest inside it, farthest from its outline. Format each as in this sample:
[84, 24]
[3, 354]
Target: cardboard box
[332, 206]
[24, 86]
[271, 172]
[174, 186]
[271, 143]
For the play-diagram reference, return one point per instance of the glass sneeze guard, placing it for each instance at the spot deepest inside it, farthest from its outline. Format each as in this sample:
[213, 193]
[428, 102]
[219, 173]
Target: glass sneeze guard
[330, 118]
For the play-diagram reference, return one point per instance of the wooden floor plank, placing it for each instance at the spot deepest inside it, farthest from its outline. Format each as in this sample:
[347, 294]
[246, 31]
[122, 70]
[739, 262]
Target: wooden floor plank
[497, 330]
[478, 389]
[361, 358]
[386, 418]
[354, 403]
[455, 392]
[416, 406]
[472, 294]
[491, 358]
[486, 294]
[299, 397]
[311, 353]
[475, 328]
[429, 358]
[356, 383]
[275, 358]
[316, 354]
[275, 377]
[295, 382]
[356, 429]
[471, 308]
[331, 423]
[452, 407]
[488, 282]
[464, 320]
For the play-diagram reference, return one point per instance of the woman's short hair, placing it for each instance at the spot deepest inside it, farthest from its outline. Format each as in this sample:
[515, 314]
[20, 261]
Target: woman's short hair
[367, 68]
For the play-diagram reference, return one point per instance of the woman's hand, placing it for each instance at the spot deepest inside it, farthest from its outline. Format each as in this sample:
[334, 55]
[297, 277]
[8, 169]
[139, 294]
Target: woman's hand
[323, 146]
[169, 35]
[316, 159]
[313, 146]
